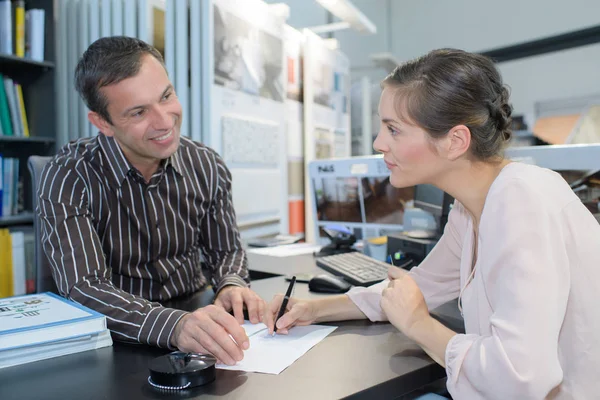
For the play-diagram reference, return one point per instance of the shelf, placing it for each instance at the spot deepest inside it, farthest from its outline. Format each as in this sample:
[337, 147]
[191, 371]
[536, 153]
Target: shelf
[21, 219]
[8, 59]
[20, 68]
[24, 140]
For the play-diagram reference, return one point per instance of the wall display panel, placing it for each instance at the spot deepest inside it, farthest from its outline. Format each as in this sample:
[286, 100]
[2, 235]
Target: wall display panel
[326, 108]
[247, 58]
[293, 49]
[243, 76]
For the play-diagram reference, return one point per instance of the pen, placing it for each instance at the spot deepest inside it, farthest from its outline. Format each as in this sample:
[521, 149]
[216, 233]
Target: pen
[286, 298]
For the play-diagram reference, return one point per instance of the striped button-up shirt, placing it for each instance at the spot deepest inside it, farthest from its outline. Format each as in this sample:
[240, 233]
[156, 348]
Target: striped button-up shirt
[120, 245]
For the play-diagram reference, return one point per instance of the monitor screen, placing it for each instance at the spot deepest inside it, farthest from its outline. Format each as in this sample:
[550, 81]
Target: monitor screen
[337, 199]
[384, 203]
[357, 194]
[586, 185]
[430, 199]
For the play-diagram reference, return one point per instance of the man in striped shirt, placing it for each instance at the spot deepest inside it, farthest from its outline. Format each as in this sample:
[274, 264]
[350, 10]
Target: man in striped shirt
[128, 215]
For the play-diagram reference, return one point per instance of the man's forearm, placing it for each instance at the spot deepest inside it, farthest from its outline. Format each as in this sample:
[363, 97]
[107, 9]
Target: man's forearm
[229, 268]
[129, 317]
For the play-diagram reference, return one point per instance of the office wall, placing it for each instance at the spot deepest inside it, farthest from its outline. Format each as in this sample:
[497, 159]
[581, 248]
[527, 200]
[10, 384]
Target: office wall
[303, 13]
[420, 26]
[358, 46]
[480, 25]
[554, 76]
[411, 28]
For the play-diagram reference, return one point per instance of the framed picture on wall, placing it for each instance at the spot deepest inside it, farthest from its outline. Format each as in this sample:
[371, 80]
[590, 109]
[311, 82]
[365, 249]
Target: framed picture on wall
[152, 14]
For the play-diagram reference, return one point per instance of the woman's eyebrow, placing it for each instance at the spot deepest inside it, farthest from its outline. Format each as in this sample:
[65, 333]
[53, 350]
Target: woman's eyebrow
[390, 121]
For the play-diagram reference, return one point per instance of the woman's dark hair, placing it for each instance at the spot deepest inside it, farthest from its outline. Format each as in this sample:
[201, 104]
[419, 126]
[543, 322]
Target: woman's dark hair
[449, 87]
[106, 61]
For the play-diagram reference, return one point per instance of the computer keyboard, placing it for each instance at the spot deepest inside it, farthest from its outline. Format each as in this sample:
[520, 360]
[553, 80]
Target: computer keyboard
[356, 268]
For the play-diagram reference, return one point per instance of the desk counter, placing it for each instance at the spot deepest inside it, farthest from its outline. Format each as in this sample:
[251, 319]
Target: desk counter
[358, 360]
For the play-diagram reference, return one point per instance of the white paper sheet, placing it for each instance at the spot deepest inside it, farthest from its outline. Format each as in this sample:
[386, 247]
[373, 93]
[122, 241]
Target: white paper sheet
[286, 250]
[272, 354]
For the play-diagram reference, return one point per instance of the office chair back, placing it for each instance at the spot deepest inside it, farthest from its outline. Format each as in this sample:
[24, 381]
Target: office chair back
[44, 282]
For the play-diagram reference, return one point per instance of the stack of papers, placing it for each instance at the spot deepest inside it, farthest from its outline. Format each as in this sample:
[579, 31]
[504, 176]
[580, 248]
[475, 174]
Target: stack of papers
[272, 354]
[287, 250]
[40, 326]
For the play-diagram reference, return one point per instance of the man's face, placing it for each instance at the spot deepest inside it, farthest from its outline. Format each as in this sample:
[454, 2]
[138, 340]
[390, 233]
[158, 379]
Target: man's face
[146, 115]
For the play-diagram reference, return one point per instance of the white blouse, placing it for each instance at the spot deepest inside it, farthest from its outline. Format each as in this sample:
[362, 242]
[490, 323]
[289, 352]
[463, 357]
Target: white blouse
[532, 307]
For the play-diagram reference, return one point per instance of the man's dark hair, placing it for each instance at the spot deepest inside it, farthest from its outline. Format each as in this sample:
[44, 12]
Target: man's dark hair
[106, 61]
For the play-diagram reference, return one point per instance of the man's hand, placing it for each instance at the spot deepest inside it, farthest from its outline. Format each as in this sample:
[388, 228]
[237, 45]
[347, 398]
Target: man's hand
[234, 298]
[207, 330]
[403, 302]
[298, 312]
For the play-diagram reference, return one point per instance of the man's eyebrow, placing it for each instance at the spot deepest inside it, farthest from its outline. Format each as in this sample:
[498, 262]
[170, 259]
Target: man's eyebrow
[170, 87]
[127, 111]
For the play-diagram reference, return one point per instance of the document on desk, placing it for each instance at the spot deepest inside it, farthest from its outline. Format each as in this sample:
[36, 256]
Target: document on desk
[287, 250]
[272, 354]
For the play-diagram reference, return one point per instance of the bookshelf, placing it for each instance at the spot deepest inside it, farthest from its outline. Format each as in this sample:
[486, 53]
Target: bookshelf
[21, 66]
[37, 79]
[25, 218]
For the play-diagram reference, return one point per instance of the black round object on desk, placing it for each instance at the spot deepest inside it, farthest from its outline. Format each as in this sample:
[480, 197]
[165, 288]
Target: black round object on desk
[179, 370]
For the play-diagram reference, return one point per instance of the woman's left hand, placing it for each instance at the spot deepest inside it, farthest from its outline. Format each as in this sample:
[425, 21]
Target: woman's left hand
[403, 302]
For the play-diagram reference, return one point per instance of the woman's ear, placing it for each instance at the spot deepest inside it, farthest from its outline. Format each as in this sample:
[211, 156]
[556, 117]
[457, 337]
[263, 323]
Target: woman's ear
[459, 139]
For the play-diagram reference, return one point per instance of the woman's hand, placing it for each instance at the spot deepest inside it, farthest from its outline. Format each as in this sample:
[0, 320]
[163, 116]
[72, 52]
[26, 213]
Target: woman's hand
[298, 312]
[403, 302]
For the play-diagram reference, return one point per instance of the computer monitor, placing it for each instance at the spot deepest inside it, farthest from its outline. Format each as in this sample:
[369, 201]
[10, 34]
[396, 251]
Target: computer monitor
[436, 202]
[429, 198]
[578, 164]
[356, 193]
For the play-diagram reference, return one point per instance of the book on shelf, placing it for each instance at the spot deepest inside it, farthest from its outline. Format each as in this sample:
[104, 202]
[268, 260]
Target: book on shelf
[13, 116]
[34, 34]
[6, 27]
[17, 266]
[39, 326]
[18, 20]
[21, 31]
[13, 106]
[11, 186]
[4, 110]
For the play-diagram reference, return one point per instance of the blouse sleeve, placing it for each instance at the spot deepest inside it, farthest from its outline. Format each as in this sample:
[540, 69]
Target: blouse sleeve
[524, 269]
[438, 276]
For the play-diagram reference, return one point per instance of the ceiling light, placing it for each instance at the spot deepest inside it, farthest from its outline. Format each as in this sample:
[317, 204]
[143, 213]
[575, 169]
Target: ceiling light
[347, 12]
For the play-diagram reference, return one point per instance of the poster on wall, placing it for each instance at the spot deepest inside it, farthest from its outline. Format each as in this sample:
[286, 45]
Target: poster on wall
[293, 49]
[152, 23]
[293, 43]
[247, 58]
[324, 144]
[247, 75]
[326, 108]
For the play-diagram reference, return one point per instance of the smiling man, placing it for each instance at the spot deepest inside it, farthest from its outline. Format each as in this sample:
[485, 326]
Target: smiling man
[128, 215]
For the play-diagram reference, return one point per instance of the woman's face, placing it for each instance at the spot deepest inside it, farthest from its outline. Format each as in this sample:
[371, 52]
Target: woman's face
[408, 151]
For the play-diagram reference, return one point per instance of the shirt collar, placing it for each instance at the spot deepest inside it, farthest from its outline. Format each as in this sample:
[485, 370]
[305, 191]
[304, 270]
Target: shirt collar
[120, 166]
[117, 163]
[176, 162]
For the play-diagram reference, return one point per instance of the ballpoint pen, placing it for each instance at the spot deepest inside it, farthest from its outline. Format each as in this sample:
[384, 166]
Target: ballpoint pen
[286, 298]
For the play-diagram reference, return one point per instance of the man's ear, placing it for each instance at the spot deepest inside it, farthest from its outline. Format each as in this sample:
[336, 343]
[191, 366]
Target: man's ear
[459, 139]
[99, 122]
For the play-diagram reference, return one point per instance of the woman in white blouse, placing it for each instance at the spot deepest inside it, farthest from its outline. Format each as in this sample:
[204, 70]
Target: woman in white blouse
[520, 250]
